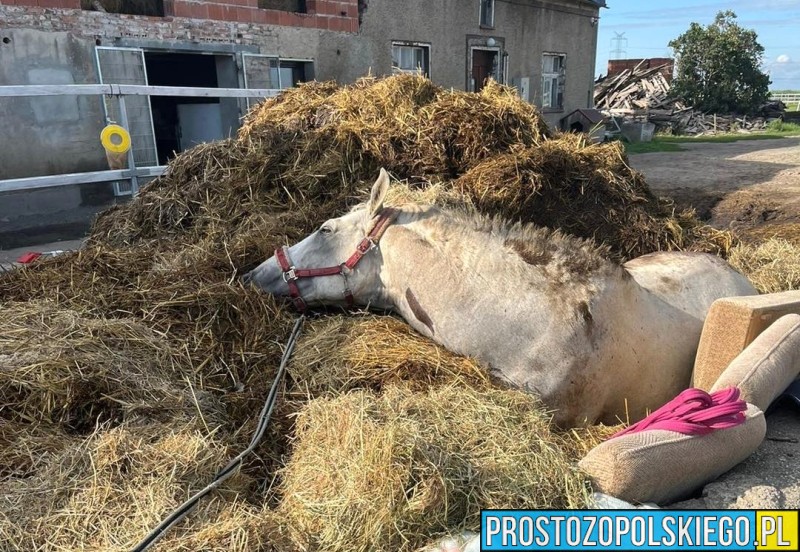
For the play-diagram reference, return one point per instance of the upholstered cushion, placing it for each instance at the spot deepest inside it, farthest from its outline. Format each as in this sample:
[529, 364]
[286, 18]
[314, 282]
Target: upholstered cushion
[768, 365]
[731, 325]
[663, 466]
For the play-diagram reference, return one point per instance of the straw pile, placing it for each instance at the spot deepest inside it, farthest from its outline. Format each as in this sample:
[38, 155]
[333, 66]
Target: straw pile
[131, 370]
[772, 266]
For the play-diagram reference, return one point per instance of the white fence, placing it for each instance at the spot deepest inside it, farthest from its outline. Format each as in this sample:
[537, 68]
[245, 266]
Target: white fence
[791, 100]
[120, 92]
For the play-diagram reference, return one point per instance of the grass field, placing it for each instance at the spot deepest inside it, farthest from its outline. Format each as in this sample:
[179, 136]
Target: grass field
[673, 143]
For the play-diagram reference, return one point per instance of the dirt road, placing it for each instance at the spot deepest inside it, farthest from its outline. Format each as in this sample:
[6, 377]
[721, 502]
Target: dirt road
[745, 185]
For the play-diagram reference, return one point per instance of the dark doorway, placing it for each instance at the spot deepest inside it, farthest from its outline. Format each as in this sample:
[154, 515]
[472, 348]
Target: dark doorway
[183, 122]
[484, 66]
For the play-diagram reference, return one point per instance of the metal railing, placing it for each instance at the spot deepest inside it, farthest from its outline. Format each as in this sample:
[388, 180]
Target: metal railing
[119, 91]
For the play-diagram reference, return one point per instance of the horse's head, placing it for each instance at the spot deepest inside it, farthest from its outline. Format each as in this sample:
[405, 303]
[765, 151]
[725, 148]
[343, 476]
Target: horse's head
[335, 265]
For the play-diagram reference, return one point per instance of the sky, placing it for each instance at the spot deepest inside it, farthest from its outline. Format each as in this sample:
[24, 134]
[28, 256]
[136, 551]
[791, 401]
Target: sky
[649, 26]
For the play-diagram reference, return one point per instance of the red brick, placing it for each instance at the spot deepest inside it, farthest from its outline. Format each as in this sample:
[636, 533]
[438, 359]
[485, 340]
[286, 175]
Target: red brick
[311, 6]
[344, 24]
[216, 12]
[271, 17]
[284, 18]
[353, 24]
[243, 15]
[343, 8]
[297, 20]
[230, 13]
[182, 9]
[322, 22]
[260, 17]
[325, 7]
[169, 8]
[200, 11]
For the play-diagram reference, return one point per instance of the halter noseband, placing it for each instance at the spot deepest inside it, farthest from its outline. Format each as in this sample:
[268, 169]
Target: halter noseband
[370, 241]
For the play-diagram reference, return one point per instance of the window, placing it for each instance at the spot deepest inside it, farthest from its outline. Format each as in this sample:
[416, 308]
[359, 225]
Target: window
[298, 6]
[288, 73]
[487, 13]
[153, 8]
[410, 58]
[553, 79]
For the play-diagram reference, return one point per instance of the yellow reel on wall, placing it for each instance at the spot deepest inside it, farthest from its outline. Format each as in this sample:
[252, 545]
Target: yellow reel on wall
[115, 139]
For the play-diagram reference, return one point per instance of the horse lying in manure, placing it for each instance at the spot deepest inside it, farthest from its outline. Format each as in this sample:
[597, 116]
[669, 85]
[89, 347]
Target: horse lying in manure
[545, 311]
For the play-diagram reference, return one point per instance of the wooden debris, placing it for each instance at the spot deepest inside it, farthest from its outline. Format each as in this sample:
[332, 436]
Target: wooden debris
[643, 95]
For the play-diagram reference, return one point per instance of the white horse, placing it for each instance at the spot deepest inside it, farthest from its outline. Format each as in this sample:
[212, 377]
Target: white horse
[544, 311]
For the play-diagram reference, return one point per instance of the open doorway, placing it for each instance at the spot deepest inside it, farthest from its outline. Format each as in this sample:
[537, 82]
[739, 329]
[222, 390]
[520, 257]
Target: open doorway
[180, 123]
[484, 66]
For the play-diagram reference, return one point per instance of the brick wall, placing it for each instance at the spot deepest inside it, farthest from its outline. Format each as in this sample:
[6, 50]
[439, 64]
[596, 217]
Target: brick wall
[333, 15]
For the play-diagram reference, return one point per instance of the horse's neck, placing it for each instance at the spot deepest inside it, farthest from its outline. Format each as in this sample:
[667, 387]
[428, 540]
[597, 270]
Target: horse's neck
[450, 281]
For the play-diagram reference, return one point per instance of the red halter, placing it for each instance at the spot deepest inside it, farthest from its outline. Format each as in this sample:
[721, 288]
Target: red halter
[292, 274]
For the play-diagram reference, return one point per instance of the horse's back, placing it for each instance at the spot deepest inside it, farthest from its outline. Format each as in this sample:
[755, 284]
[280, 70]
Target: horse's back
[688, 281]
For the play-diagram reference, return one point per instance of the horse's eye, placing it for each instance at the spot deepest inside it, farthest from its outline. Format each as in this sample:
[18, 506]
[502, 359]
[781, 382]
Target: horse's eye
[325, 230]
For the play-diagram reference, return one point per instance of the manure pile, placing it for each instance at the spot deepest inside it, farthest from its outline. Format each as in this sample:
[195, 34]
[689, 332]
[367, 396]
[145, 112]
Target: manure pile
[132, 370]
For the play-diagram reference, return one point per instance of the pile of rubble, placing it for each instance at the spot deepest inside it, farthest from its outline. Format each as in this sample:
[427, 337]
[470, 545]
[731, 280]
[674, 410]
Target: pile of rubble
[642, 94]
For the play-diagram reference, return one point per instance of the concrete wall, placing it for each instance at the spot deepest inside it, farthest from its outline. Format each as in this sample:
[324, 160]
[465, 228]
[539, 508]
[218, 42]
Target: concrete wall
[524, 29]
[52, 42]
[47, 46]
[53, 134]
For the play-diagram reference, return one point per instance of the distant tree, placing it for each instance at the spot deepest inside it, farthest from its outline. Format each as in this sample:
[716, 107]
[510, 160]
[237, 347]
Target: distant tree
[719, 67]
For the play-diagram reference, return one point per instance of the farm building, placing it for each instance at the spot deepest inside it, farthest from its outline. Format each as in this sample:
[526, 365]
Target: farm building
[544, 47]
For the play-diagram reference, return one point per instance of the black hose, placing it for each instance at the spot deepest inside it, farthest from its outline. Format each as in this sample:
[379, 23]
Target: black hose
[183, 510]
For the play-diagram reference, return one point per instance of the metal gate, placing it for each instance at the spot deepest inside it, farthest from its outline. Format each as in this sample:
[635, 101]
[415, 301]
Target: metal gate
[260, 71]
[127, 66]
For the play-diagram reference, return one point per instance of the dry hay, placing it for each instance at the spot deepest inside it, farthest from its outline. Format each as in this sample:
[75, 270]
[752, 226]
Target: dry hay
[788, 231]
[158, 360]
[588, 190]
[386, 472]
[772, 266]
[339, 354]
[104, 492]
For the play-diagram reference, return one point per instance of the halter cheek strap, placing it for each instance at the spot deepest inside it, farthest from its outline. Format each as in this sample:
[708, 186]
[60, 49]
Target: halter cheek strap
[291, 274]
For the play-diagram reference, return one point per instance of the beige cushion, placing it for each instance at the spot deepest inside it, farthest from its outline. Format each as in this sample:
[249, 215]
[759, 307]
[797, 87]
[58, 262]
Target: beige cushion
[768, 365]
[662, 466]
[731, 325]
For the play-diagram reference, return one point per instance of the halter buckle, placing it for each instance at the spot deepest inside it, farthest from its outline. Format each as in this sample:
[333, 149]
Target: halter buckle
[289, 275]
[367, 244]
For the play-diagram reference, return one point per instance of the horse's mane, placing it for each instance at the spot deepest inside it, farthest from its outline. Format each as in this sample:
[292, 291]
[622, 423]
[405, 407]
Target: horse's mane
[567, 257]
[540, 245]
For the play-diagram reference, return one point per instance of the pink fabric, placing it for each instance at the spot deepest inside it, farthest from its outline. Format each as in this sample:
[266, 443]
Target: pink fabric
[695, 412]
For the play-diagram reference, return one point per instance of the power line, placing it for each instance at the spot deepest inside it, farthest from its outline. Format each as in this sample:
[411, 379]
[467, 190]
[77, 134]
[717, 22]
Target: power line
[619, 46]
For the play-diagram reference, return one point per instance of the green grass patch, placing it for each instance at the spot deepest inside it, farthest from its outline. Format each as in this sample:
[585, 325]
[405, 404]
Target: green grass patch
[776, 129]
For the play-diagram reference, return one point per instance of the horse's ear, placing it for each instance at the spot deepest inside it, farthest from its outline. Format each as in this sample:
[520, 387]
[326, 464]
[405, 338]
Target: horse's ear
[378, 194]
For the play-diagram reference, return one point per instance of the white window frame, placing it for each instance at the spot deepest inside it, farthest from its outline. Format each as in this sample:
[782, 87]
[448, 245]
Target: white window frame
[549, 76]
[490, 24]
[426, 56]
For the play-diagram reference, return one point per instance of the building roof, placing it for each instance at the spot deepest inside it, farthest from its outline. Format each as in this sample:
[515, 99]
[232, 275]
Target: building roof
[591, 115]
